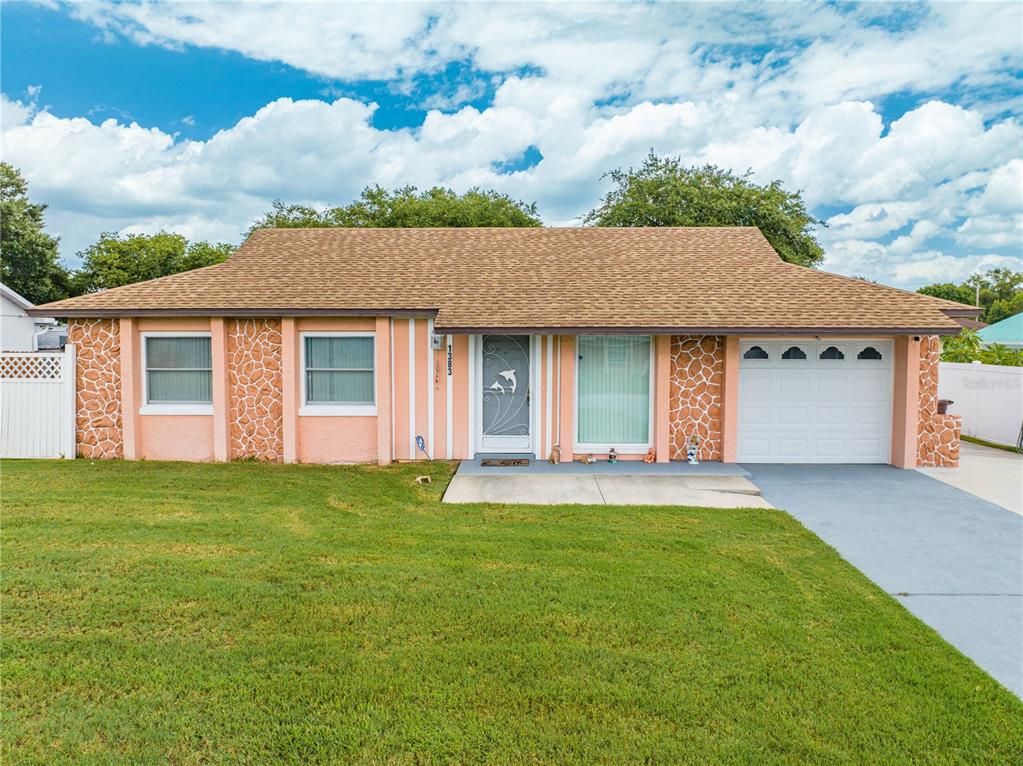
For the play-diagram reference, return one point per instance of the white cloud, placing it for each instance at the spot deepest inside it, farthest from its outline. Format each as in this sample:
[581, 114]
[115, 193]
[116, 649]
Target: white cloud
[922, 232]
[640, 51]
[874, 219]
[592, 87]
[13, 113]
[992, 231]
[873, 260]
[1003, 192]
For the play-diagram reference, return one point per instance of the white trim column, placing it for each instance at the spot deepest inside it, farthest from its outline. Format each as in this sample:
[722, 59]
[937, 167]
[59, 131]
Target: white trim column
[535, 401]
[549, 403]
[449, 393]
[432, 373]
[473, 393]
[412, 388]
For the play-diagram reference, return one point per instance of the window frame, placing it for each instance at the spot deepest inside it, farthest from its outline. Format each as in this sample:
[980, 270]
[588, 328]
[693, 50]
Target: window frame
[766, 346]
[840, 346]
[621, 449]
[335, 409]
[172, 408]
[784, 347]
[879, 347]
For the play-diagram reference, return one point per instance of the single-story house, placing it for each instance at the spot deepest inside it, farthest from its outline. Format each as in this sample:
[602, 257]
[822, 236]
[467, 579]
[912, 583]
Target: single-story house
[348, 345]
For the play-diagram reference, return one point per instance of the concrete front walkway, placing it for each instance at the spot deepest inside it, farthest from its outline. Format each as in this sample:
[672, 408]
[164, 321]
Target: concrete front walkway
[709, 485]
[953, 559]
[992, 474]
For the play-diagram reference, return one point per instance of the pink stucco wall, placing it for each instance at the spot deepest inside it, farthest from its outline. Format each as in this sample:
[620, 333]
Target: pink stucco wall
[329, 439]
[337, 439]
[176, 437]
[257, 411]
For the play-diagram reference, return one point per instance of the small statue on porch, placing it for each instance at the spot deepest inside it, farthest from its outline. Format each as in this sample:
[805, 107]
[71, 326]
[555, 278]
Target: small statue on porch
[555, 456]
[612, 456]
[693, 450]
[650, 456]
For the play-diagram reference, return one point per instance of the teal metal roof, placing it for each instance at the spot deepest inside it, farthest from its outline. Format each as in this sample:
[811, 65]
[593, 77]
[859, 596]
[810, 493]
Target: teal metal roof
[1009, 330]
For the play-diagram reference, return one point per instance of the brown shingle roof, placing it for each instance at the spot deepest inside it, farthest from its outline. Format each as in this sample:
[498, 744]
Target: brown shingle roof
[684, 279]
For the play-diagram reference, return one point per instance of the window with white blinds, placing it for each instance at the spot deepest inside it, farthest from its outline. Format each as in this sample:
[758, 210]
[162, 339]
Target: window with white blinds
[179, 370]
[613, 391]
[339, 370]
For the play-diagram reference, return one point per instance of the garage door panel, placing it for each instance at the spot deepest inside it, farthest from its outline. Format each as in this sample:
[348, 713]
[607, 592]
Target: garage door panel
[756, 383]
[873, 387]
[869, 416]
[826, 449]
[793, 414]
[829, 383]
[869, 449]
[792, 384]
[791, 449]
[756, 415]
[814, 410]
[757, 450]
[831, 415]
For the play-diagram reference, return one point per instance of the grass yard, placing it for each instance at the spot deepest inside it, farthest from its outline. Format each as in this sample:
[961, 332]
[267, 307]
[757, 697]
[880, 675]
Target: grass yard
[243, 613]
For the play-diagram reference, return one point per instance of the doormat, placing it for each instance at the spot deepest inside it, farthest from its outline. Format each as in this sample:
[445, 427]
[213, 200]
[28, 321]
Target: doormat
[504, 462]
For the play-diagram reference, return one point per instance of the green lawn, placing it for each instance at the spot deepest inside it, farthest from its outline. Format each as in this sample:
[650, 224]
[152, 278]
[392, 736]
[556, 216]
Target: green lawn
[243, 613]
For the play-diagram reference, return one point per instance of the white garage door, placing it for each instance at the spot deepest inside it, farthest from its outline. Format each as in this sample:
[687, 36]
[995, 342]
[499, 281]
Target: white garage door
[815, 401]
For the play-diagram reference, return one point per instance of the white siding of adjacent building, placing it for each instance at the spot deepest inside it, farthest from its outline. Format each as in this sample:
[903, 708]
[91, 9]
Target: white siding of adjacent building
[17, 329]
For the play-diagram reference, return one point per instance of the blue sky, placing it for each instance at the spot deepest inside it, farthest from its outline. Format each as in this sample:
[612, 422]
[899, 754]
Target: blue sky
[900, 123]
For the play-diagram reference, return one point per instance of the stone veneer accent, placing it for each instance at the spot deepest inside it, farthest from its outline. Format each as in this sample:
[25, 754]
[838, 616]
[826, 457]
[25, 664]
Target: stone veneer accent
[255, 389]
[697, 373]
[937, 435]
[98, 377]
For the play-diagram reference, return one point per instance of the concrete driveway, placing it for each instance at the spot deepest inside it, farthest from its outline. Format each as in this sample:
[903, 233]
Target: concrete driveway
[951, 558]
[992, 474]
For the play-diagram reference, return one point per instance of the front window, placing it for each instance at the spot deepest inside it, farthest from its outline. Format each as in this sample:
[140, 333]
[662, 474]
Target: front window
[339, 370]
[613, 391]
[179, 370]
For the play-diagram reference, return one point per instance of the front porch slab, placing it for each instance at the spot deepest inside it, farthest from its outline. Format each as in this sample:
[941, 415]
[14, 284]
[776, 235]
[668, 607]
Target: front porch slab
[709, 485]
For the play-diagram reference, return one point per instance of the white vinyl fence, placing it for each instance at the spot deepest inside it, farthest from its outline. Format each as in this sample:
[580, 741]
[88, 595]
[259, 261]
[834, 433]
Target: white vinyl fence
[989, 397]
[37, 404]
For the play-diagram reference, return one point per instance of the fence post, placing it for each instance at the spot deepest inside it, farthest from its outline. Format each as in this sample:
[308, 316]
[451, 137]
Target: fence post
[70, 404]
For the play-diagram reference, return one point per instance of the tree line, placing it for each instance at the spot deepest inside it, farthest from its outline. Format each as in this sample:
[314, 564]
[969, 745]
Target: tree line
[662, 191]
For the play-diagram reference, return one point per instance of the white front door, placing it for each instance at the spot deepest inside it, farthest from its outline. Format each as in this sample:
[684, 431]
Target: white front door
[815, 401]
[503, 397]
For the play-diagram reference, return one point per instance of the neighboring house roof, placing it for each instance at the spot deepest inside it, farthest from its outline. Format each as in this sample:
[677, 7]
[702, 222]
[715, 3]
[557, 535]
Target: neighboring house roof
[705, 279]
[1008, 332]
[969, 323]
[16, 298]
[24, 304]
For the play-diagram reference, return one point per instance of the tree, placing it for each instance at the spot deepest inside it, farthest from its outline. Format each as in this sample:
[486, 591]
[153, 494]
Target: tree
[29, 260]
[998, 353]
[114, 261]
[1003, 308]
[406, 207]
[963, 348]
[664, 192]
[1000, 291]
[950, 292]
